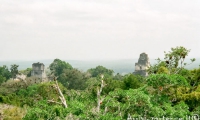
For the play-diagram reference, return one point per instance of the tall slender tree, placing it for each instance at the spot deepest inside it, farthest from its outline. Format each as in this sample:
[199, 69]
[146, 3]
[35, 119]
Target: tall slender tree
[14, 70]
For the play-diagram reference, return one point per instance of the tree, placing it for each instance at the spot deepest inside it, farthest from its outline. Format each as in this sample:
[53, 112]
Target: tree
[195, 76]
[165, 81]
[118, 77]
[111, 85]
[132, 81]
[99, 97]
[100, 70]
[58, 66]
[165, 86]
[26, 72]
[61, 96]
[2, 79]
[14, 70]
[5, 72]
[73, 79]
[173, 61]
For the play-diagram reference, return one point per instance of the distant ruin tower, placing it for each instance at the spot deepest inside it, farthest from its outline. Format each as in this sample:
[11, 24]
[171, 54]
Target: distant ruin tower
[38, 70]
[142, 65]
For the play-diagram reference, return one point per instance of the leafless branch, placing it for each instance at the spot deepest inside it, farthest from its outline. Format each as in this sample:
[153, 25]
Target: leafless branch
[62, 98]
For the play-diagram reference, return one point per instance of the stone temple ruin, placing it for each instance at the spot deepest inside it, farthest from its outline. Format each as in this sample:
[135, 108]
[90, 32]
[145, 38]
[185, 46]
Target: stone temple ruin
[38, 71]
[142, 65]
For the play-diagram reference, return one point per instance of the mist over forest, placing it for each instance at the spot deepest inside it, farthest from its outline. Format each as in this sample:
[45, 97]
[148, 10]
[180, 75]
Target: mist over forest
[119, 66]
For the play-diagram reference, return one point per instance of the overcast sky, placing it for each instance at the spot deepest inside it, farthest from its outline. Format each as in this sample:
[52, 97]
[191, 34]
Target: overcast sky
[97, 29]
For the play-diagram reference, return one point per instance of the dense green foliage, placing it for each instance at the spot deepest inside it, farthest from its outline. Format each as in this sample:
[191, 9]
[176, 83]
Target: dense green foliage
[133, 81]
[73, 79]
[4, 74]
[58, 66]
[100, 70]
[170, 91]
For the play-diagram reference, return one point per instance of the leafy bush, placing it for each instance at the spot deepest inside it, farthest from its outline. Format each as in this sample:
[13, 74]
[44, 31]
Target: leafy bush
[42, 110]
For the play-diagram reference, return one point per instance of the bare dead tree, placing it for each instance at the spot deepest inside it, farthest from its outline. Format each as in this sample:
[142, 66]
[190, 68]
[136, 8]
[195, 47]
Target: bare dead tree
[99, 90]
[61, 96]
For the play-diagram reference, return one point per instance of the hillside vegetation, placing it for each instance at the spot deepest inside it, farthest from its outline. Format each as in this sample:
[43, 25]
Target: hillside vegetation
[170, 91]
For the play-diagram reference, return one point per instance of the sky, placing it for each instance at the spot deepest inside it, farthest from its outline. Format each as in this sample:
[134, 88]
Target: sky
[97, 29]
